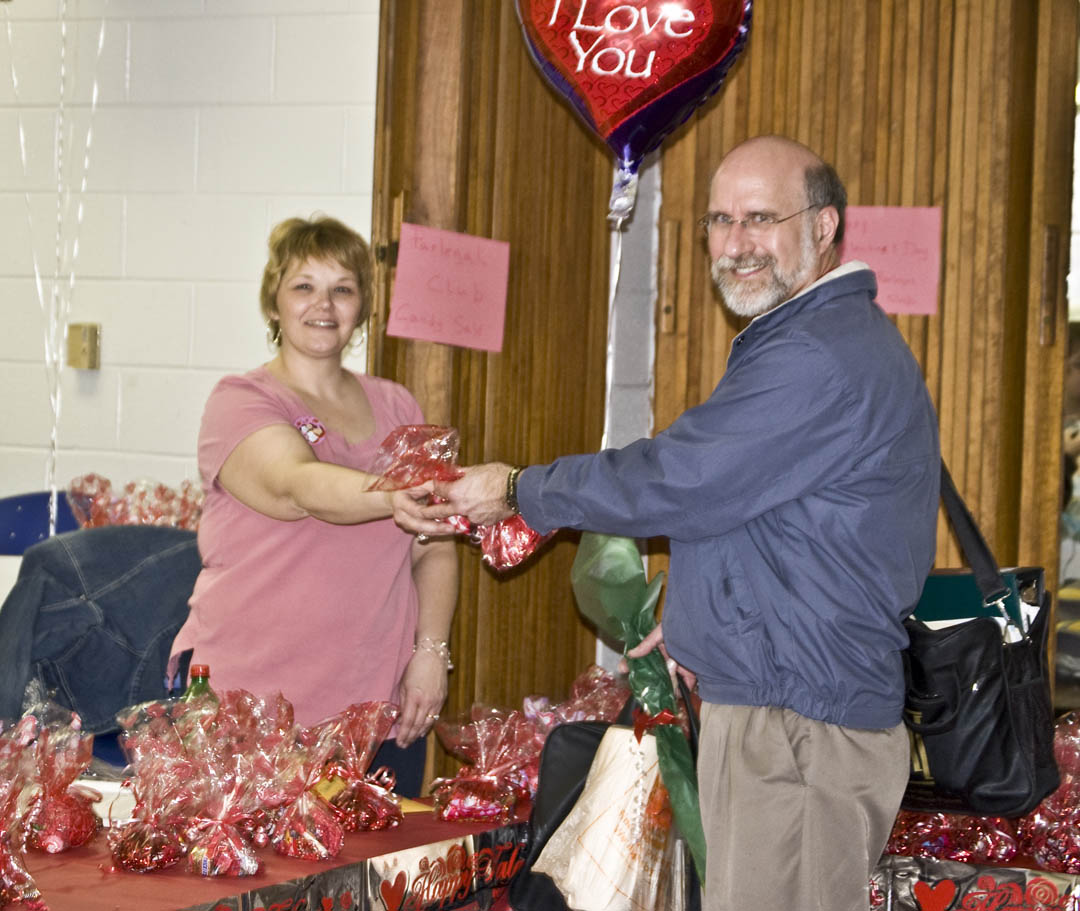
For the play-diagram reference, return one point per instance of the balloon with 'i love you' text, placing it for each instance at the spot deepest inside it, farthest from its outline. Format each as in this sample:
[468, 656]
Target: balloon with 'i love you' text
[634, 71]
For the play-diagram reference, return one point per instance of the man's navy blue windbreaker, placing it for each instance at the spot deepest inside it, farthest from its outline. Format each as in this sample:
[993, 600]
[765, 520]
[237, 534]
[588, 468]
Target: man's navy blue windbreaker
[800, 501]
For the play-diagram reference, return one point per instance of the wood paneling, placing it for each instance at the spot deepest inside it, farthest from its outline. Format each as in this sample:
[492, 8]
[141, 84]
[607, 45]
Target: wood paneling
[952, 103]
[472, 139]
[962, 104]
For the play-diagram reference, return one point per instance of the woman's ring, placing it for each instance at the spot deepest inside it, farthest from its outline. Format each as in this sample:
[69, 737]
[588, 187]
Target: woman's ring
[422, 538]
[432, 717]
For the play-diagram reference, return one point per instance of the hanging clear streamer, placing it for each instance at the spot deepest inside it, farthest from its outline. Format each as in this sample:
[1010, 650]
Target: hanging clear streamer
[55, 310]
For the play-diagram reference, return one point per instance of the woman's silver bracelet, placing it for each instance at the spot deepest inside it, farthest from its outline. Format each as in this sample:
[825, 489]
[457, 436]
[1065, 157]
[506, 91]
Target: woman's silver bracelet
[438, 647]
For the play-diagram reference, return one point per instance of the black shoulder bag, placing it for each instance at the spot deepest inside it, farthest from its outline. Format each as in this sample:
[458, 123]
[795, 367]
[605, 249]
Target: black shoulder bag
[978, 695]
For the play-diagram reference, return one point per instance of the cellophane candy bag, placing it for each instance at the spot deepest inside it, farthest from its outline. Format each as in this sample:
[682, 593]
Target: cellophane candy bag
[360, 800]
[415, 453]
[162, 779]
[17, 886]
[60, 815]
[94, 502]
[307, 827]
[1051, 832]
[266, 732]
[216, 845]
[503, 749]
[595, 695]
[949, 836]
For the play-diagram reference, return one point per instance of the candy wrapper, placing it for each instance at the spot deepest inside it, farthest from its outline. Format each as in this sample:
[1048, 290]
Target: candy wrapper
[503, 749]
[415, 453]
[94, 502]
[60, 815]
[16, 769]
[946, 836]
[360, 801]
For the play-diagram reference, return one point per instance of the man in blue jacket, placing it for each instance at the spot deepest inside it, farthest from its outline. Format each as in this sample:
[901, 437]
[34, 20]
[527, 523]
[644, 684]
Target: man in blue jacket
[800, 501]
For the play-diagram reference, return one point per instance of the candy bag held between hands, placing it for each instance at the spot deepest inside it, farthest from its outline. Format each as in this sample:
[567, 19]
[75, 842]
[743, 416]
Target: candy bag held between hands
[415, 453]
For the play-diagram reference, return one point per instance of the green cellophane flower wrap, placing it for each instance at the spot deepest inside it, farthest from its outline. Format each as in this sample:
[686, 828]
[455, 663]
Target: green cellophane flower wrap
[611, 590]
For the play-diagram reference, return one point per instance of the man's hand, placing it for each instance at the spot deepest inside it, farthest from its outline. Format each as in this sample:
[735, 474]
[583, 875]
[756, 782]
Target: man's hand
[479, 494]
[655, 639]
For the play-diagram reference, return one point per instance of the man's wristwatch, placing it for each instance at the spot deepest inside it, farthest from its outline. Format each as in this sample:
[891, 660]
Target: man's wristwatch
[511, 488]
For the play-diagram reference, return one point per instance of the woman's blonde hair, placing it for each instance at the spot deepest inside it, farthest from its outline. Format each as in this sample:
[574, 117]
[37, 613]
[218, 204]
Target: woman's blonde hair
[297, 240]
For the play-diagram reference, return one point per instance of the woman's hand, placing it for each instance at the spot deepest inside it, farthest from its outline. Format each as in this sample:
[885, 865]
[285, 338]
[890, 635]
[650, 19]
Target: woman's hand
[421, 695]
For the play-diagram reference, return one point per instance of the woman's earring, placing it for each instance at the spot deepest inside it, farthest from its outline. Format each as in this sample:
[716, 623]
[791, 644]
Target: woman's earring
[273, 334]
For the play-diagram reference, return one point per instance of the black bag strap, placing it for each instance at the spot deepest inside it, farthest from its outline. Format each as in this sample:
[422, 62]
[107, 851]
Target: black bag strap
[984, 567]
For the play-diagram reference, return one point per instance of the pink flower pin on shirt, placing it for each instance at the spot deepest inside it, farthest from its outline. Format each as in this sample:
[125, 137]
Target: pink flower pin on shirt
[311, 428]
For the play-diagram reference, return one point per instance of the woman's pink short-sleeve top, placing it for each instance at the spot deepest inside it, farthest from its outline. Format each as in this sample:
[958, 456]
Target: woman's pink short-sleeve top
[324, 613]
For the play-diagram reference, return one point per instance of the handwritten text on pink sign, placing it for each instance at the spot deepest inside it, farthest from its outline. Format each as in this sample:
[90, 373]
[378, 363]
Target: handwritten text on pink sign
[902, 244]
[449, 288]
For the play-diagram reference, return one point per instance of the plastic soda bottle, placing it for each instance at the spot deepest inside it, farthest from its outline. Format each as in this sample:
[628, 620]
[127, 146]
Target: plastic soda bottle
[199, 687]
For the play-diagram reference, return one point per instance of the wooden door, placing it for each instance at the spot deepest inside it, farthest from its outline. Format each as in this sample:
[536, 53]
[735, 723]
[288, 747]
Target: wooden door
[470, 139]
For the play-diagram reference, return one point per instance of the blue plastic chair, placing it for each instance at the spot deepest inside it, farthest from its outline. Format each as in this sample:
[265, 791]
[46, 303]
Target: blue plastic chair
[24, 520]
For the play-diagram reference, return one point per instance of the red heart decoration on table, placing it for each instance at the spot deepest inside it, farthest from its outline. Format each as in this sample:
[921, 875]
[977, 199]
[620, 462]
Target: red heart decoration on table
[634, 70]
[393, 895]
[935, 898]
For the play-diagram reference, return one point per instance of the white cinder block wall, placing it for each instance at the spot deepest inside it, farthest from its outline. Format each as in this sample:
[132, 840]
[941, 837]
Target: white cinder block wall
[214, 120]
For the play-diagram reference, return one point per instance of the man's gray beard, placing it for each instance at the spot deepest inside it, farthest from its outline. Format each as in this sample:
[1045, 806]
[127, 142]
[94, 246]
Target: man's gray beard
[748, 302]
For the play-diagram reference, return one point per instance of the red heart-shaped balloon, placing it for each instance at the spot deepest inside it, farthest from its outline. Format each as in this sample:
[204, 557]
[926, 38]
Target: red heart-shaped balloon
[934, 898]
[635, 70]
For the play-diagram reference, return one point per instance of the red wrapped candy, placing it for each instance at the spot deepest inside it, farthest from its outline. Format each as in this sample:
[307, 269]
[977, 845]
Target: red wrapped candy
[947, 836]
[1051, 832]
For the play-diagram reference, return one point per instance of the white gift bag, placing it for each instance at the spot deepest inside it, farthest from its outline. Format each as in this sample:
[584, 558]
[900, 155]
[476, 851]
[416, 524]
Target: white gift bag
[613, 851]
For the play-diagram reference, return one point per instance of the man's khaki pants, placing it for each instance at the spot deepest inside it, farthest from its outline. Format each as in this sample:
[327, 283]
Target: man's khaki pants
[796, 812]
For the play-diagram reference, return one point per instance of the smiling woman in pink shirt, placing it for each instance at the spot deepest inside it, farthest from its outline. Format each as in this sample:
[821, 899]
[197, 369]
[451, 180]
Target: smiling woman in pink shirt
[308, 586]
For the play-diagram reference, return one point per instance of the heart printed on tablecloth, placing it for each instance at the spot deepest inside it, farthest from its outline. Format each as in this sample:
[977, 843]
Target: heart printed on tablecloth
[394, 894]
[936, 897]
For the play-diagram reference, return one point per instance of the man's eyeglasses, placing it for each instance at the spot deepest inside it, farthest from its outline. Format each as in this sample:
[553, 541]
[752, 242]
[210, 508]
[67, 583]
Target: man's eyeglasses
[756, 224]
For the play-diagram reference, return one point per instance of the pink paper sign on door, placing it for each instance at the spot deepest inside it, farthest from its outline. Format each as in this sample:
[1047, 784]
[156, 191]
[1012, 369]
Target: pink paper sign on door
[902, 244]
[449, 288]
